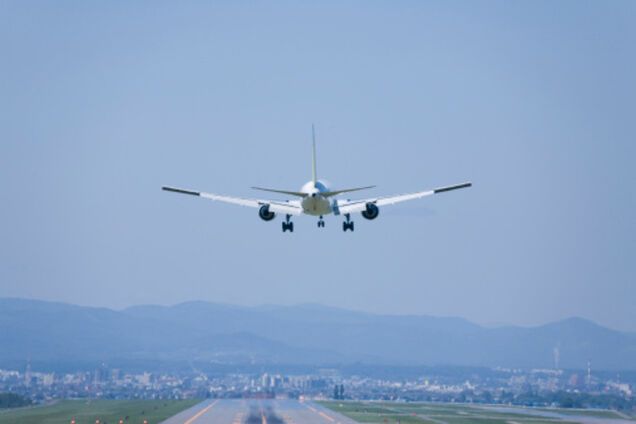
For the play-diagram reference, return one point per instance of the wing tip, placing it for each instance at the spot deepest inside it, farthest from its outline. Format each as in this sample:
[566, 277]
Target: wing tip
[453, 187]
[180, 190]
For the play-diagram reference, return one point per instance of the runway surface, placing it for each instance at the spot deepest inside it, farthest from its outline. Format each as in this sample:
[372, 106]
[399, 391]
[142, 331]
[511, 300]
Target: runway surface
[253, 411]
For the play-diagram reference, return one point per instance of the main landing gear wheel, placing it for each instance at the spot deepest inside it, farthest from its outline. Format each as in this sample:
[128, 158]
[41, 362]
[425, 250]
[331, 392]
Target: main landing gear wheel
[321, 223]
[348, 224]
[288, 225]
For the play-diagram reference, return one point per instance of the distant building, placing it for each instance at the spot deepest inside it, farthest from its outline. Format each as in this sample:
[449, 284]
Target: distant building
[27, 374]
[48, 379]
[116, 374]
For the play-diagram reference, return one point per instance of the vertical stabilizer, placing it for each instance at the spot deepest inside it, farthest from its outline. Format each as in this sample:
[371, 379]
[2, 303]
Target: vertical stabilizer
[314, 178]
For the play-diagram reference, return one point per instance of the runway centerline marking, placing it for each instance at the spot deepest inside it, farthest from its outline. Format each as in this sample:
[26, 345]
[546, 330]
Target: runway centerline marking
[238, 418]
[201, 412]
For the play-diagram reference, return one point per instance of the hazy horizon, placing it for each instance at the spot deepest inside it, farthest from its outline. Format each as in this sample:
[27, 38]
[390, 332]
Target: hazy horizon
[103, 103]
[321, 305]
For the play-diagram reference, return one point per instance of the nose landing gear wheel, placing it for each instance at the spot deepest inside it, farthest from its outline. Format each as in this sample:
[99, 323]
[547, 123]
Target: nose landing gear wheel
[321, 223]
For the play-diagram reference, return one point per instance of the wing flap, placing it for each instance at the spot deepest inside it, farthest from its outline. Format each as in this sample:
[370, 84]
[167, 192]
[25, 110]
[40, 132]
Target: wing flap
[287, 208]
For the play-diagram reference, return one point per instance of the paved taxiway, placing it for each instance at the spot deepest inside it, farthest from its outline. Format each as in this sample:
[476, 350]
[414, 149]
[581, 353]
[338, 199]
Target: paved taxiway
[254, 411]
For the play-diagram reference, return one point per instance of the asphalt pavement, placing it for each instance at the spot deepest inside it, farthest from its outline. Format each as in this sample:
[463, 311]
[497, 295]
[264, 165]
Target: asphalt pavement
[257, 411]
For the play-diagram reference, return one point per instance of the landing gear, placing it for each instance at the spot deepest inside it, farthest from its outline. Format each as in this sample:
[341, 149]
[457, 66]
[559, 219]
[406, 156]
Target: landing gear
[348, 224]
[321, 223]
[288, 225]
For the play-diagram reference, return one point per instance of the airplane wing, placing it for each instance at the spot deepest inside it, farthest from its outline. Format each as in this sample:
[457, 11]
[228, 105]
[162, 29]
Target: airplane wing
[349, 206]
[288, 208]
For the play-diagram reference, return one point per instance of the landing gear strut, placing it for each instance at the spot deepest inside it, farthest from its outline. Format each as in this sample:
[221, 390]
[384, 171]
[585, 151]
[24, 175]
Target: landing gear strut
[348, 224]
[321, 223]
[288, 225]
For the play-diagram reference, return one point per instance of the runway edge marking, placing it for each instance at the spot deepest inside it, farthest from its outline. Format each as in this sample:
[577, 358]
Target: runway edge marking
[322, 414]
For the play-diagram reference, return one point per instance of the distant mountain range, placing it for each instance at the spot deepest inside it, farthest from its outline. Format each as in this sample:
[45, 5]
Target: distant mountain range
[302, 334]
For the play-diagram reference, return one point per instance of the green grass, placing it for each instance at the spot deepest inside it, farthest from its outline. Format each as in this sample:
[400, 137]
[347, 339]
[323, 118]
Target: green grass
[585, 412]
[107, 411]
[414, 413]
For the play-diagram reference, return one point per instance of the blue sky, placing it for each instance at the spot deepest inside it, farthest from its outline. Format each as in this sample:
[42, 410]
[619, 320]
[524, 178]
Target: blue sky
[102, 103]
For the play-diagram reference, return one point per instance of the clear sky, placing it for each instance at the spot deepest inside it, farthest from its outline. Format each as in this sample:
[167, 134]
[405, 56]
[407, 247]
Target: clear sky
[102, 103]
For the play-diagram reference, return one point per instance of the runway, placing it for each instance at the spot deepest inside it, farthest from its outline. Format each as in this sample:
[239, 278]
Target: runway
[257, 411]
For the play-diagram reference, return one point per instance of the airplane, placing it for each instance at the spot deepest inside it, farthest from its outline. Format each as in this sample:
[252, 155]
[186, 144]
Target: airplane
[315, 198]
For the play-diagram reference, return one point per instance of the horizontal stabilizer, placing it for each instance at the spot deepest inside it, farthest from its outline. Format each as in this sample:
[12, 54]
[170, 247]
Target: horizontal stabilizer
[290, 193]
[347, 190]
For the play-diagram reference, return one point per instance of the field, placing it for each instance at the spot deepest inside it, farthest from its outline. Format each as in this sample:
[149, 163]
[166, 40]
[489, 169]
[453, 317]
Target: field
[431, 413]
[107, 411]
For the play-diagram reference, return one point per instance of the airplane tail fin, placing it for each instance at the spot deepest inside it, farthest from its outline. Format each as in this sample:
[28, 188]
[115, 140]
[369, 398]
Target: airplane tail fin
[314, 178]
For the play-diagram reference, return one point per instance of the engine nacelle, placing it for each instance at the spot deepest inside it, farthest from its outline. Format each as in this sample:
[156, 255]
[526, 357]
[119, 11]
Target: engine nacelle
[371, 212]
[265, 214]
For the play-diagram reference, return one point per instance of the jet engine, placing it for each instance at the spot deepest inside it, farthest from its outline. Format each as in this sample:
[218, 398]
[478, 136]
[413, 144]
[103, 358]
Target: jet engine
[265, 214]
[371, 212]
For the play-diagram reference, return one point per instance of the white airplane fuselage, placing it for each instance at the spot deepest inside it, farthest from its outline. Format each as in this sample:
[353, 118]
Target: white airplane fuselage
[315, 203]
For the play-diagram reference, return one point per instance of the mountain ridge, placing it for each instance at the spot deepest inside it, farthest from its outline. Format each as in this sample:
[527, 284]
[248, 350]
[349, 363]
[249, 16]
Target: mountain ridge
[297, 334]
